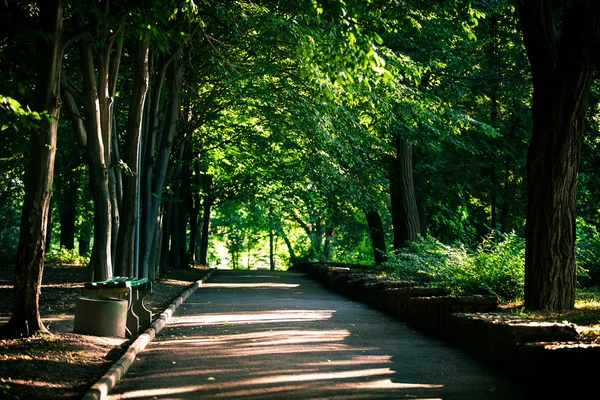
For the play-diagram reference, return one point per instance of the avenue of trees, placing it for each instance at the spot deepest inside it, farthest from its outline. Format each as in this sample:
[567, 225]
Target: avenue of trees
[149, 135]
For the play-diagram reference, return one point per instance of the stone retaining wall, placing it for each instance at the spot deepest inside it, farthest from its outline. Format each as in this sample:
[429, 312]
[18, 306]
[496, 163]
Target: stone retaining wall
[542, 353]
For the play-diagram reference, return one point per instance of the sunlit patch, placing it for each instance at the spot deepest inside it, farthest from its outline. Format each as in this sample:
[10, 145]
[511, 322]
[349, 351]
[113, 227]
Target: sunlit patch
[262, 343]
[63, 285]
[252, 317]
[233, 389]
[265, 285]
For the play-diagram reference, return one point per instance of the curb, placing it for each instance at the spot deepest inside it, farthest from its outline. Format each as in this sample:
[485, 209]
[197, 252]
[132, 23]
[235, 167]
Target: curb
[100, 389]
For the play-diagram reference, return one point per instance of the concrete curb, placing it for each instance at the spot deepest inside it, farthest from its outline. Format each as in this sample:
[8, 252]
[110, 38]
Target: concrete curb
[100, 389]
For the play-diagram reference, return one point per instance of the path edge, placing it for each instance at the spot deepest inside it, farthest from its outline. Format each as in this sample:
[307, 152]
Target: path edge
[100, 389]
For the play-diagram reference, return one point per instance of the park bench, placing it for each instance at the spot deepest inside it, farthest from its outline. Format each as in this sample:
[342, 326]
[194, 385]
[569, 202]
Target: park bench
[131, 289]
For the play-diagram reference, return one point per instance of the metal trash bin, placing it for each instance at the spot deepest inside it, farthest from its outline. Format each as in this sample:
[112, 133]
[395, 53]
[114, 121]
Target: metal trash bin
[100, 316]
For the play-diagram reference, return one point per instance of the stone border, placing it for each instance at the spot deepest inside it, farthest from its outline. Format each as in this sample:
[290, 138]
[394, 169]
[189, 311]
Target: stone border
[100, 389]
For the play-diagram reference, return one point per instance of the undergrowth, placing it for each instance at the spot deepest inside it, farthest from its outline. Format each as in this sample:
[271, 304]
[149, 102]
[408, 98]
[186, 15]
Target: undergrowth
[496, 266]
[65, 256]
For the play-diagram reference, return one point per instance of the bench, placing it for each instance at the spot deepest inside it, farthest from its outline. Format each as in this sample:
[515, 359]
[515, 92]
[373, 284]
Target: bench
[131, 289]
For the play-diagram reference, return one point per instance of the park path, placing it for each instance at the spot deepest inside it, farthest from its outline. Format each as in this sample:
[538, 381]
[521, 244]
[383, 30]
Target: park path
[279, 335]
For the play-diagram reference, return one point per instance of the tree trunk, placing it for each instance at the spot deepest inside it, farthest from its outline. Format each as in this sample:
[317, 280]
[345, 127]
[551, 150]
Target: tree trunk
[126, 243]
[328, 246]
[377, 236]
[85, 238]
[195, 204]
[208, 202]
[183, 205]
[25, 319]
[563, 67]
[49, 227]
[419, 195]
[271, 250]
[68, 216]
[405, 215]
[95, 155]
[165, 239]
[154, 196]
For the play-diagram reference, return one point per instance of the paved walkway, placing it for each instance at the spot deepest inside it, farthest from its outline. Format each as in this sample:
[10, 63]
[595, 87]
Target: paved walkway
[260, 334]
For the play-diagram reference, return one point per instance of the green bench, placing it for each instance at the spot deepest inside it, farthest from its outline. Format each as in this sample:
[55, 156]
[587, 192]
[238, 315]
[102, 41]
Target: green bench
[131, 289]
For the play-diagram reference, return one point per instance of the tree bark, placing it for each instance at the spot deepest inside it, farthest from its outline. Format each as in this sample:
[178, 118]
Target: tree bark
[208, 202]
[563, 67]
[67, 212]
[25, 319]
[158, 180]
[49, 226]
[85, 239]
[126, 243]
[195, 204]
[377, 236]
[271, 249]
[101, 259]
[405, 215]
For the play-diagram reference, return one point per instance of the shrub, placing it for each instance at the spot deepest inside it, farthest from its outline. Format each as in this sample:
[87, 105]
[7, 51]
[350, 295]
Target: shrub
[64, 256]
[495, 266]
[588, 254]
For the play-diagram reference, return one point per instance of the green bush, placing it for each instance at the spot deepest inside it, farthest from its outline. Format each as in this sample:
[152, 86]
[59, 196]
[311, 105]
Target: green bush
[588, 254]
[64, 256]
[495, 266]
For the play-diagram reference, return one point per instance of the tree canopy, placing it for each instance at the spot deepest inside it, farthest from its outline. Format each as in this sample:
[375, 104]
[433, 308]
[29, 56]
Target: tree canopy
[257, 132]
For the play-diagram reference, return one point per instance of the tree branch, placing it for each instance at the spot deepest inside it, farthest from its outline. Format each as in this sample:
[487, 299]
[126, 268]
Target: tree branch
[71, 88]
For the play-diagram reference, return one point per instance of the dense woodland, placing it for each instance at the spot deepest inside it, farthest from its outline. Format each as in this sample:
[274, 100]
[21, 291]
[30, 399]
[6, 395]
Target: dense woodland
[139, 136]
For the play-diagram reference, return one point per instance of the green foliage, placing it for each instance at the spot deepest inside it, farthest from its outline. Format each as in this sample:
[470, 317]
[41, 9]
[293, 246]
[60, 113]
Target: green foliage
[495, 266]
[588, 253]
[64, 256]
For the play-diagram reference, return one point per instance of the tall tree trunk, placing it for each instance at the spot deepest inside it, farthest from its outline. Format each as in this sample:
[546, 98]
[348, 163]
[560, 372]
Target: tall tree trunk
[126, 243]
[419, 195]
[563, 65]
[377, 236]
[328, 245]
[25, 319]
[115, 188]
[183, 205]
[165, 240]
[155, 252]
[271, 249]
[208, 202]
[85, 239]
[101, 259]
[49, 226]
[174, 255]
[405, 215]
[67, 210]
[158, 180]
[195, 204]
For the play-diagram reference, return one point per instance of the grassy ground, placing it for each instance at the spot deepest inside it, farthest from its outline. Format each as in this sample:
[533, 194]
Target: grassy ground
[586, 314]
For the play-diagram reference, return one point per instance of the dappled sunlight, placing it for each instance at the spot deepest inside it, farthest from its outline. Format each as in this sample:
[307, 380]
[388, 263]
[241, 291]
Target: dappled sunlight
[240, 389]
[257, 359]
[262, 343]
[262, 317]
[263, 285]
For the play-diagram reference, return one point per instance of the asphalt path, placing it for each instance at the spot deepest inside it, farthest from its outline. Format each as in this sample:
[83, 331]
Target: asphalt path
[279, 335]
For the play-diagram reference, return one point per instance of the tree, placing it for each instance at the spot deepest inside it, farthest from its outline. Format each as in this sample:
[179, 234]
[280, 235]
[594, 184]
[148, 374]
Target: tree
[25, 319]
[562, 44]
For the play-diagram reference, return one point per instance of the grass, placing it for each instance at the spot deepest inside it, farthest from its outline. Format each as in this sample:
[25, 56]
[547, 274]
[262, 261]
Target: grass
[586, 314]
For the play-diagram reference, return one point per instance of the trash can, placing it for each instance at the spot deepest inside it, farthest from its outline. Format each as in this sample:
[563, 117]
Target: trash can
[100, 316]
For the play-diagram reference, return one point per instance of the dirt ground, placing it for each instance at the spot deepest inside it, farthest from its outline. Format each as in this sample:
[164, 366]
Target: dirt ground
[63, 365]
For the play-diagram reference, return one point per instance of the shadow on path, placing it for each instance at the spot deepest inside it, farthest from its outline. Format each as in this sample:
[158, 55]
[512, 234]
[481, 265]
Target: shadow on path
[259, 334]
